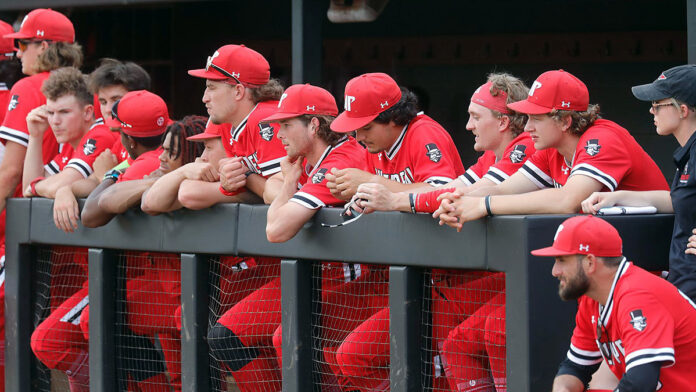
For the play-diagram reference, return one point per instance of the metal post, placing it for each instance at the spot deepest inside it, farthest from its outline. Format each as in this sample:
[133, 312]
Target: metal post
[405, 304]
[296, 305]
[18, 326]
[307, 18]
[691, 30]
[195, 374]
[103, 278]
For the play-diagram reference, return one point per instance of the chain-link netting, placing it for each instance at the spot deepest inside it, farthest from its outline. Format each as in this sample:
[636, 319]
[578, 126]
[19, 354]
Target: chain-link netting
[59, 340]
[464, 342]
[351, 320]
[244, 315]
[148, 350]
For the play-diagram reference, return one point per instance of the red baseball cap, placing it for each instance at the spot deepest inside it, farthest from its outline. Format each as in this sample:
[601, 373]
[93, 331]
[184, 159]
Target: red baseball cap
[45, 24]
[140, 114]
[302, 99]
[582, 235]
[211, 131]
[554, 90]
[367, 96]
[244, 65]
[7, 48]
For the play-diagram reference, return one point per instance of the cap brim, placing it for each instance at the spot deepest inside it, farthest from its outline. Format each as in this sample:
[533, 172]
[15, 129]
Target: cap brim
[527, 107]
[551, 251]
[18, 35]
[203, 136]
[112, 123]
[279, 116]
[202, 73]
[344, 124]
[648, 92]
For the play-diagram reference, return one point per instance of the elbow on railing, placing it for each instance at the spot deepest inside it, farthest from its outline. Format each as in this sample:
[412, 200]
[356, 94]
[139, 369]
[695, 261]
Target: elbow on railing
[191, 198]
[276, 234]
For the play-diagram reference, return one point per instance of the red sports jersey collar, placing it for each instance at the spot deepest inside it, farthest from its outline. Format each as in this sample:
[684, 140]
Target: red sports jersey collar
[326, 153]
[238, 130]
[605, 311]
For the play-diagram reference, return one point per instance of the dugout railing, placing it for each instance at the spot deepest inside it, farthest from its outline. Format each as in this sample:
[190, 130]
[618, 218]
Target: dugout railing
[538, 325]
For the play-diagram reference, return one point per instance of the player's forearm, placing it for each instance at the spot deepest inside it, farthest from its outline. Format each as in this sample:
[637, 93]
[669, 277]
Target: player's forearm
[10, 176]
[92, 215]
[399, 187]
[272, 189]
[256, 184]
[82, 188]
[163, 194]
[285, 193]
[545, 201]
[659, 199]
[120, 197]
[567, 383]
[33, 161]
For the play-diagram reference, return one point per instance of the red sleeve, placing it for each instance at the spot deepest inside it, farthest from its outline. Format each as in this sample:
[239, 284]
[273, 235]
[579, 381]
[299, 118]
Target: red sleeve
[583, 345]
[56, 165]
[602, 156]
[476, 171]
[647, 329]
[515, 155]
[92, 144]
[269, 149]
[142, 166]
[537, 168]
[24, 98]
[431, 154]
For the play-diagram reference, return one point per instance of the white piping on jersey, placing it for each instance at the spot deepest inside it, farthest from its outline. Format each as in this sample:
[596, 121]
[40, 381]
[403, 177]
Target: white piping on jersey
[397, 144]
[324, 155]
[52, 168]
[496, 175]
[596, 174]
[3, 86]
[14, 135]
[81, 166]
[242, 125]
[536, 175]
[76, 310]
[605, 311]
[438, 180]
[469, 177]
[270, 167]
[96, 122]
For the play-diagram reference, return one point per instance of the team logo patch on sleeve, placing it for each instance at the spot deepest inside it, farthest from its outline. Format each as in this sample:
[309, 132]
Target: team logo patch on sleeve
[14, 101]
[266, 132]
[592, 147]
[517, 154]
[433, 152]
[638, 321]
[89, 147]
[318, 177]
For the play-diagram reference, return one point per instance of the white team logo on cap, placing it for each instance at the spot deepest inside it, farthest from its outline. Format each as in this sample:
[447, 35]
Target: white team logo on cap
[312, 108]
[349, 100]
[565, 104]
[384, 104]
[584, 248]
[535, 86]
[282, 97]
[558, 231]
[39, 33]
[235, 74]
[23, 20]
[160, 121]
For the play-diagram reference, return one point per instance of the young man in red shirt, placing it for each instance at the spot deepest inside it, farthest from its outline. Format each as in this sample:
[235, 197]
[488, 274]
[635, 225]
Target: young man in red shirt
[640, 325]
[69, 112]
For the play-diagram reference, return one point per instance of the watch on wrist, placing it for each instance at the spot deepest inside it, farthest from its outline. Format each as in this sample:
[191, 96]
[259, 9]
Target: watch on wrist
[112, 174]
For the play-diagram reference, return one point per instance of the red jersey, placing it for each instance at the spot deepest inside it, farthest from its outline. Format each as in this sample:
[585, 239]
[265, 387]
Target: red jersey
[4, 100]
[423, 152]
[25, 96]
[607, 153]
[96, 140]
[514, 156]
[120, 151]
[645, 319]
[313, 193]
[256, 143]
[143, 165]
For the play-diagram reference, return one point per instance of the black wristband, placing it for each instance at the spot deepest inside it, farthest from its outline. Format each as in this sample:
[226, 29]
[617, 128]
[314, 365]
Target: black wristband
[112, 174]
[487, 202]
[248, 173]
[412, 201]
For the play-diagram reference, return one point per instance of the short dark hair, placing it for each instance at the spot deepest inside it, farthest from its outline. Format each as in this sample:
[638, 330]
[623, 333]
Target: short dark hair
[612, 261]
[112, 72]
[324, 131]
[10, 71]
[67, 81]
[403, 112]
[182, 129]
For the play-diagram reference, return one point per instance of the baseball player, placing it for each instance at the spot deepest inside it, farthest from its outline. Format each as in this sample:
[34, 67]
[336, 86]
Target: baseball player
[69, 113]
[405, 151]
[637, 323]
[577, 154]
[674, 112]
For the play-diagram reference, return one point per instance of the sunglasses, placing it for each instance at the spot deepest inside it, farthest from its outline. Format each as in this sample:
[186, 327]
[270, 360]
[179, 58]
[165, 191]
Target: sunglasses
[210, 64]
[345, 215]
[114, 114]
[23, 44]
